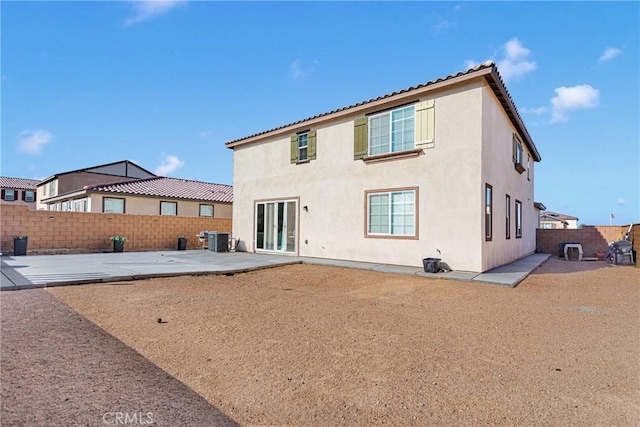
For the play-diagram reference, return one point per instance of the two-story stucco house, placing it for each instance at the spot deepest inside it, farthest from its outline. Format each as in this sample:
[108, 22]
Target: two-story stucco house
[443, 169]
[124, 187]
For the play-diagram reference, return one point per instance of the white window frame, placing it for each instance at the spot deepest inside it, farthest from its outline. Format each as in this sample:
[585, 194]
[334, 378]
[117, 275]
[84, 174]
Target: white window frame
[388, 146]
[173, 212]
[303, 136]
[518, 219]
[52, 188]
[80, 205]
[113, 199]
[390, 213]
[13, 194]
[28, 193]
[212, 211]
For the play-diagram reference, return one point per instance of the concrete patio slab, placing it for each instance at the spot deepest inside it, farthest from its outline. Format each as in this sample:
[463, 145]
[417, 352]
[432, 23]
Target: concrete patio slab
[36, 271]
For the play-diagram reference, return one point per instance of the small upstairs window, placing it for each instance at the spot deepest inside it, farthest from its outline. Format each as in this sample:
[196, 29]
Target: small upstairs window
[303, 146]
[517, 154]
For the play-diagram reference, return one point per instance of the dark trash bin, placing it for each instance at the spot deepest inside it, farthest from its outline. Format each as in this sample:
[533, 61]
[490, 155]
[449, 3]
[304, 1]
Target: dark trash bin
[431, 265]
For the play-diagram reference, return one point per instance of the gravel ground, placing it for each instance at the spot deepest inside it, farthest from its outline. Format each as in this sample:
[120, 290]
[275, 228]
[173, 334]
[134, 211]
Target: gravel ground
[314, 345]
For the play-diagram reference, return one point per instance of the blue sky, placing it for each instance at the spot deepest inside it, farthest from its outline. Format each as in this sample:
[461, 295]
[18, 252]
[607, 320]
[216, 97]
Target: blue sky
[166, 83]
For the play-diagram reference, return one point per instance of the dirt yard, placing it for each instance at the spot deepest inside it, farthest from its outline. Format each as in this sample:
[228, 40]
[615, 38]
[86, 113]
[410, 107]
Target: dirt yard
[313, 345]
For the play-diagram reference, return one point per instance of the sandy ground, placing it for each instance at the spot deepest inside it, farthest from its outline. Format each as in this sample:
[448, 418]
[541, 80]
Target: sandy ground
[59, 369]
[313, 345]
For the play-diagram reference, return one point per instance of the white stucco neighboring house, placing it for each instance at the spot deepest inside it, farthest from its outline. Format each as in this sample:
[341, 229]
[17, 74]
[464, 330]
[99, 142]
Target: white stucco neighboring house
[557, 220]
[443, 169]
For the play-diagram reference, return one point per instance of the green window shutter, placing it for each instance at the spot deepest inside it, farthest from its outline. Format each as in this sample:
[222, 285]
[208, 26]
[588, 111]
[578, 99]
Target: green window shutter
[360, 138]
[425, 124]
[294, 148]
[311, 145]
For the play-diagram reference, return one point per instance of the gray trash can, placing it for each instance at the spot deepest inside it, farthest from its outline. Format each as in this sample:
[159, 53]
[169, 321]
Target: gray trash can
[218, 242]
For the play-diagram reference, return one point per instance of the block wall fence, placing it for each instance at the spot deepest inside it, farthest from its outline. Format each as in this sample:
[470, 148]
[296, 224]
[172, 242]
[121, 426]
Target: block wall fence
[592, 238]
[52, 232]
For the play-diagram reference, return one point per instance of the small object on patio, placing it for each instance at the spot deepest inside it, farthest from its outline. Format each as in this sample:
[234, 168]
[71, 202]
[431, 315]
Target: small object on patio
[159, 320]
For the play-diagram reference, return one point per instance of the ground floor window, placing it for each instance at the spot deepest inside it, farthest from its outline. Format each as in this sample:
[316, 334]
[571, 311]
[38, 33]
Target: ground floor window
[112, 205]
[488, 212]
[392, 213]
[169, 208]
[80, 205]
[518, 219]
[508, 215]
[206, 210]
[276, 225]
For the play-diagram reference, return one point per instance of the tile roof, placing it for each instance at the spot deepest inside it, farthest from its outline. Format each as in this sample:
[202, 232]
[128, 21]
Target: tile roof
[174, 188]
[18, 183]
[493, 77]
[560, 216]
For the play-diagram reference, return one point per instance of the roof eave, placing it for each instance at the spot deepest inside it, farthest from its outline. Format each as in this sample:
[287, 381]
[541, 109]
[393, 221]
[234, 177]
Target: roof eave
[361, 108]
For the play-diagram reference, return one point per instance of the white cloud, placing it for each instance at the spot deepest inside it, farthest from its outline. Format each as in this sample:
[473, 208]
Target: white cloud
[169, 165]
[144, 10]
[572, 98]
[441, 26]
[205, 134]
[609, 53]
[470, 63]
[537, 111]
[32, 141]
[298, 71]
[515, 63]
[621, 201]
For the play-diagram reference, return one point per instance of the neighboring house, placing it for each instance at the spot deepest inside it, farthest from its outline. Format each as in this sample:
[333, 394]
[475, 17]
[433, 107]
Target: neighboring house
[19, 191]
[111, 189]
[443, 169]
[54, 188]
[557, 220]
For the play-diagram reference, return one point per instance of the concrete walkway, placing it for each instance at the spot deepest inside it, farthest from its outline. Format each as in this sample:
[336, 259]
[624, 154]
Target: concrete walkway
[37, 271]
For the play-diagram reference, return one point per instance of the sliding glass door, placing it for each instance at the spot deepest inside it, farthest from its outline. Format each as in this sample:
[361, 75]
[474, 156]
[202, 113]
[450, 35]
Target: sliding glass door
[276, 225]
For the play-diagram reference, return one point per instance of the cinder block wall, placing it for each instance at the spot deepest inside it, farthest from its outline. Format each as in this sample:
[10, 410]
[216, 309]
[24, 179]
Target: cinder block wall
[78, 232]
[592, 238]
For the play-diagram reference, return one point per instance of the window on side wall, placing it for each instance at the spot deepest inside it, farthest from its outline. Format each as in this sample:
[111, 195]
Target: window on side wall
[528, 167]
[52, 188]
[518, 219]
[517, 154]
[303, 146]
[112, 205]
[9, 194]
[488, 212]
[206, 210]
[508, 216]
[392, 213]
[29, 196]
[169, 208]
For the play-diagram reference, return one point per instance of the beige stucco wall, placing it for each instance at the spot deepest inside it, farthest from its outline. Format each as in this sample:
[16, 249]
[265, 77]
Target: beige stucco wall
[450, 179]
[151, 206]
[498, 171]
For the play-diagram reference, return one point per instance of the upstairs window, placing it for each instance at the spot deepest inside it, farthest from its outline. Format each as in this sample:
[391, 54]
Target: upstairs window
[517, 154]
[303, 146]
[52, 188]
[29, 196]
[399, 133]
[9, 194]
[392, 131]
